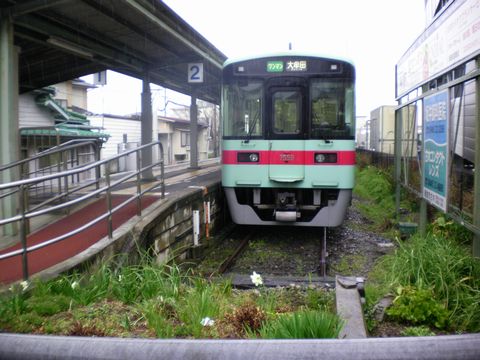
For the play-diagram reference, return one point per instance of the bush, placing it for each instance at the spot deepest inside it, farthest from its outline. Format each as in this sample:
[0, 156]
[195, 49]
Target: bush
[445, 267]
[418, 307]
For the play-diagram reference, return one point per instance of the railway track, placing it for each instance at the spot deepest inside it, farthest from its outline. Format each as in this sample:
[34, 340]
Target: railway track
[283, 256]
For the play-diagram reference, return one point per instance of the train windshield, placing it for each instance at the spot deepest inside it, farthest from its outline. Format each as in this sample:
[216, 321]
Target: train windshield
[332, 109]
[242, 109]
[287, 115]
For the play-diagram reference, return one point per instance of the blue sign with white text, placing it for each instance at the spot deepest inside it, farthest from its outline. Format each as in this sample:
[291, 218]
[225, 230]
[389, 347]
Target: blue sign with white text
[435, 149]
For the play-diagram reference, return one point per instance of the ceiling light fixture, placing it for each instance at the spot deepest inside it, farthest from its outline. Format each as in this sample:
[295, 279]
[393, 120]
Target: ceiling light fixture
[71, 47]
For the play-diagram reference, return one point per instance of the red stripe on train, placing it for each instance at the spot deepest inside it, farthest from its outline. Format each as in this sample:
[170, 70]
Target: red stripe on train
[287, 157]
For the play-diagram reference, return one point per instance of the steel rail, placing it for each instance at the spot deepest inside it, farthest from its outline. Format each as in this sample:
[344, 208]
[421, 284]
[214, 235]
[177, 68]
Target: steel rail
[33, 347]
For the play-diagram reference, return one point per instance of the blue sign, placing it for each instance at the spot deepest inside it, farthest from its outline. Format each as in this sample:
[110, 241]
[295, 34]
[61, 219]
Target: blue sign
[435, 149]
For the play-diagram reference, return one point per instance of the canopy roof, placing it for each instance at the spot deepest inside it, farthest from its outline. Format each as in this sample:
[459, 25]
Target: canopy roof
[61, 40]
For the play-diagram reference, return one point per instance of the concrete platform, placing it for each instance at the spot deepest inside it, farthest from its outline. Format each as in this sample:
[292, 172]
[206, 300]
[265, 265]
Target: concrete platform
[349, 308]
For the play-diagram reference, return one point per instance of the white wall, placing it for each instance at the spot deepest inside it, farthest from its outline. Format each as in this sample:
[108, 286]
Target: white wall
[30, 114]
[116, 127]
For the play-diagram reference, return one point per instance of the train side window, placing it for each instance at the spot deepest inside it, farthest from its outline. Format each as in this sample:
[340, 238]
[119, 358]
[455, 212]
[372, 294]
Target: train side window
[287, 107]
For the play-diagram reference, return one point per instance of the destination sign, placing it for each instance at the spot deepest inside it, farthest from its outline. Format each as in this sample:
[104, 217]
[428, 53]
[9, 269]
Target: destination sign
[291, 66]
[297, 66]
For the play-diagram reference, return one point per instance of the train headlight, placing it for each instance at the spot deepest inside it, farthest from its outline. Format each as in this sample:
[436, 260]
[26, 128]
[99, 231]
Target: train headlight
[319, 158]
[322, 158]
[248, 157]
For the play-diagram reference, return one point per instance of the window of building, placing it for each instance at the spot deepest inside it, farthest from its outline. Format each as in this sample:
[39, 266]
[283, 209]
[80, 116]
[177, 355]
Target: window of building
[184, 139]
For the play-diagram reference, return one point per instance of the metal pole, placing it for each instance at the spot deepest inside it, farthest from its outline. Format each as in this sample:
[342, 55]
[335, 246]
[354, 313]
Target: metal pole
[109, 201]
[23, 233]
[398, 158]
[193, 132]
[476, 189]
[98, 172]
[323, 253]
[139, 188]
[9, 137]
[162, 169]
[147, 126]
[423, 202]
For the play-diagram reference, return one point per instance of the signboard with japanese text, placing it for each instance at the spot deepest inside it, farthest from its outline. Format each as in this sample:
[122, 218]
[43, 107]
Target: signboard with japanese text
[297, 66]
[275, 66]
[435, 149]
[450, 40]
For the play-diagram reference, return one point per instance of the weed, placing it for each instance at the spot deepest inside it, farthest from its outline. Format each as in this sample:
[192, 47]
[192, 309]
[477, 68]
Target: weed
[417, 331]
[302, 325]
[418, 306]
[440, 264]
[246, 319]
[80, 329]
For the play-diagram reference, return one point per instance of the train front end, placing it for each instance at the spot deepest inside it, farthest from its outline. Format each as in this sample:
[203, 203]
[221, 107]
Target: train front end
[288, 152]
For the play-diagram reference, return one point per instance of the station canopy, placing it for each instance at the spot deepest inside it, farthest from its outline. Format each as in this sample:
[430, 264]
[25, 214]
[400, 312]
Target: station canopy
[59, 40]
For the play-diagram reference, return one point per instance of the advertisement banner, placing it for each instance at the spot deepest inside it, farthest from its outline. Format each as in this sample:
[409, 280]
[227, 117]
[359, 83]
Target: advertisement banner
[449, 40]
[435, 149]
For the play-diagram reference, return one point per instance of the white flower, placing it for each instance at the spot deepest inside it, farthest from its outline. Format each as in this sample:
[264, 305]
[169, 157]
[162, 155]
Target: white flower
[256, 279]
[75, 285]
[24, 284]
[120, 278]
[206, 321]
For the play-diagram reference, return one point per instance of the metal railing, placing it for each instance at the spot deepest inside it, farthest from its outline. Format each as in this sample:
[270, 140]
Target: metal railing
[100, 186]
[29, 168]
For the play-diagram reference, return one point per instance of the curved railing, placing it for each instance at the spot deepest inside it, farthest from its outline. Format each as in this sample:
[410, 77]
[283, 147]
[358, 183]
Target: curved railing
[103, 185]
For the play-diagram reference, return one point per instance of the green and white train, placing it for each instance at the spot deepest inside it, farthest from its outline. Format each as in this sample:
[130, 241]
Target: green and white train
[288, 145]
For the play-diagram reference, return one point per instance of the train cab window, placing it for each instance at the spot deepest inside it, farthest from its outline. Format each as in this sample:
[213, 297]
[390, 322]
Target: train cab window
[332, 109]
[242, 109]
[287, 116]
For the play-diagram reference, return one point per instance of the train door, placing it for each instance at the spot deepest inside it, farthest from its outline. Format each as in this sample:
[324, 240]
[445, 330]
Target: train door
[286, 112]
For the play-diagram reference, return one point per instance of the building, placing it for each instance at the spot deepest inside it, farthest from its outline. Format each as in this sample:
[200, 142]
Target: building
[445, 58]
[47, 118]
[382, 129]
[439, 76]
[174, 133]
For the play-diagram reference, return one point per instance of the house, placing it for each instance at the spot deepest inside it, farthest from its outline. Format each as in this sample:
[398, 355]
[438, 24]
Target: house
[57, 114]
[47, 119]
[174, 134]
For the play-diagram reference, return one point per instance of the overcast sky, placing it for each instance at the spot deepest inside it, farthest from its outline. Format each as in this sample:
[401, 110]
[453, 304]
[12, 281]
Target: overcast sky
[374, 34]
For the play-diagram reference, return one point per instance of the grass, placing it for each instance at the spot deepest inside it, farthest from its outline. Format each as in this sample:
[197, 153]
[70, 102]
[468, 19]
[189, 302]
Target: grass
[433, 277]
[148, 300]
[309, 324]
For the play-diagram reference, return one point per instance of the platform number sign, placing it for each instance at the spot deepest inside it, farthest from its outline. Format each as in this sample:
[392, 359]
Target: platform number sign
[195, 73]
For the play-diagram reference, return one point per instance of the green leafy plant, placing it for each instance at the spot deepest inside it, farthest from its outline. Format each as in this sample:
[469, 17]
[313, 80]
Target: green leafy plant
[445, 267]
[418, 306]
[307, 324]
[417, 331]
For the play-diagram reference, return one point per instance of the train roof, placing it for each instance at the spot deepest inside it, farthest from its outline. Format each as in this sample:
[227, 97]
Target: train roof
[285, 54]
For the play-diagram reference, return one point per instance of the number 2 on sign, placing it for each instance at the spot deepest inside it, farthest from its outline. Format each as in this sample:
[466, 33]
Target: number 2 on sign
[195, 73]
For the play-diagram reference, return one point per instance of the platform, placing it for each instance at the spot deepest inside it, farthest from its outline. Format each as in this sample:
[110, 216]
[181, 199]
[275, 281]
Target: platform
[176, 181]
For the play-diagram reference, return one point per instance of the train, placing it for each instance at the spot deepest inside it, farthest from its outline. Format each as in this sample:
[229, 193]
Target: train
[288, 139]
